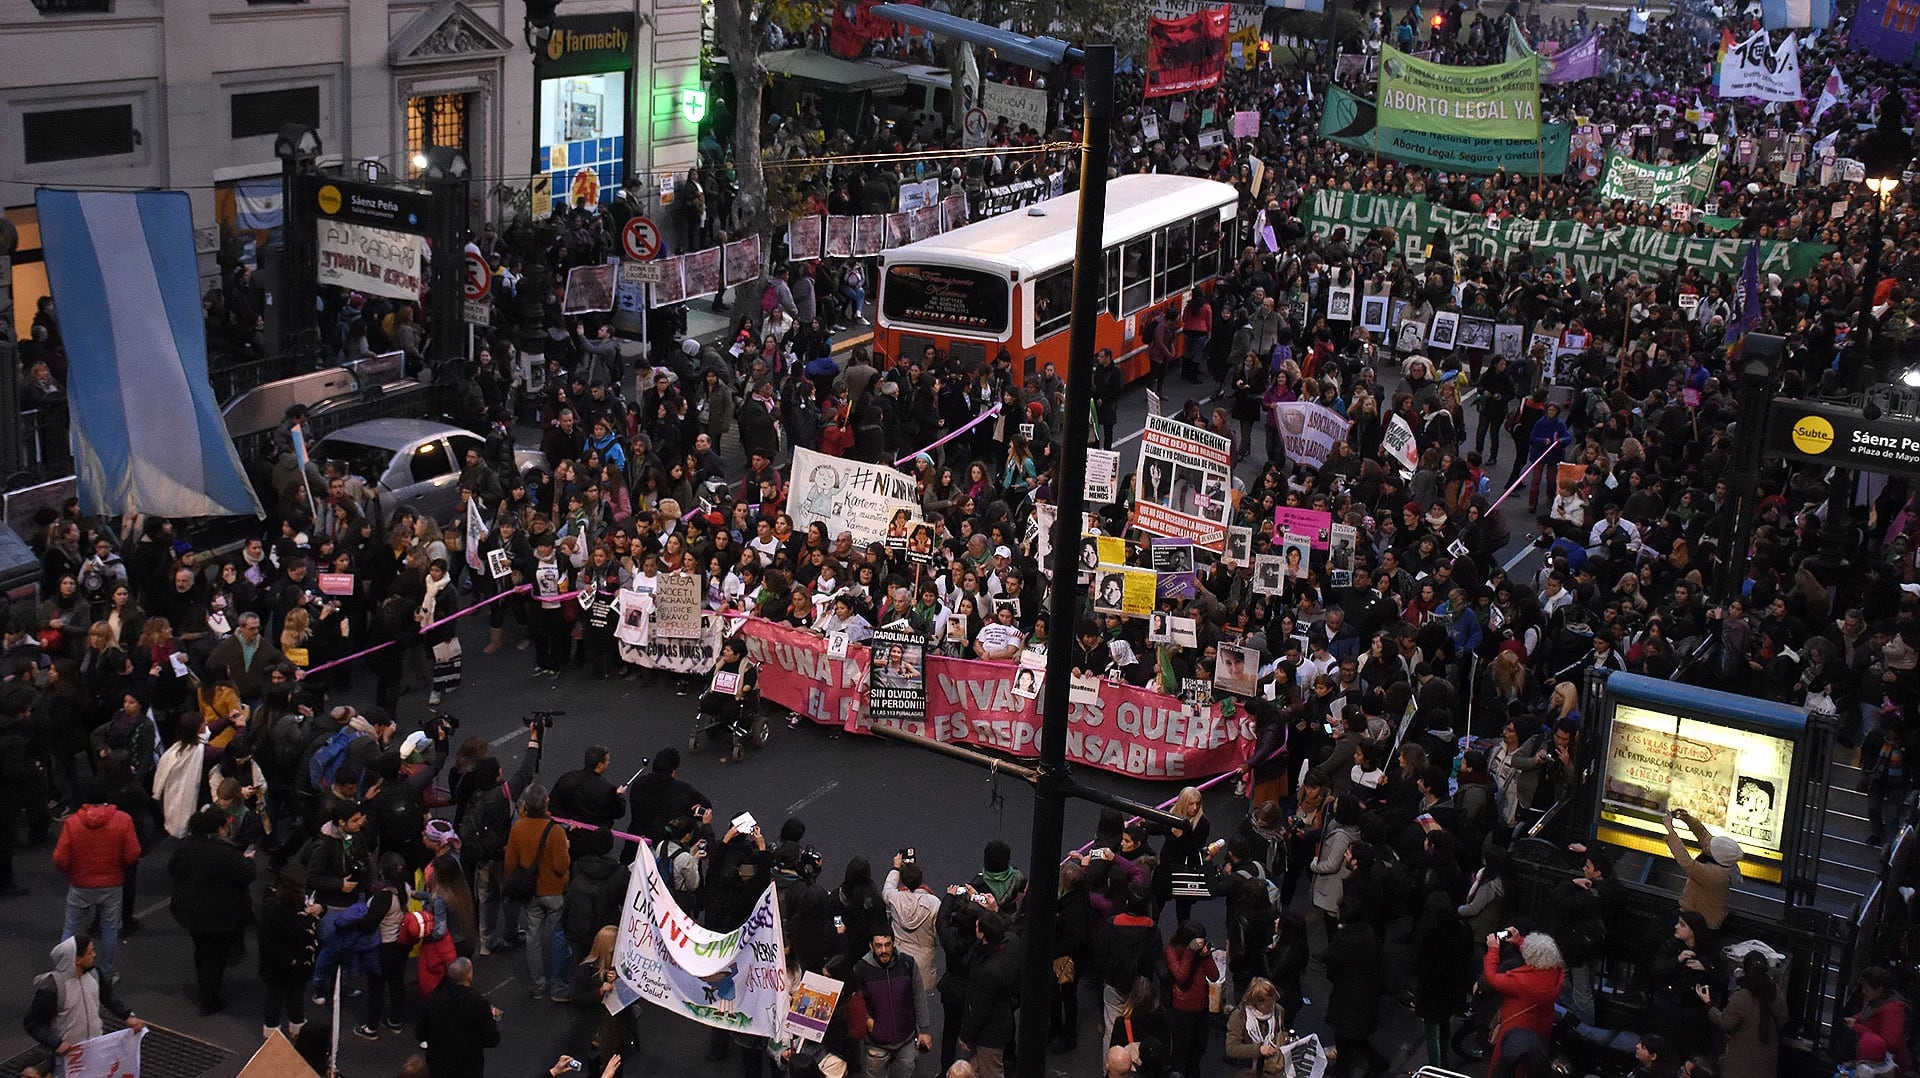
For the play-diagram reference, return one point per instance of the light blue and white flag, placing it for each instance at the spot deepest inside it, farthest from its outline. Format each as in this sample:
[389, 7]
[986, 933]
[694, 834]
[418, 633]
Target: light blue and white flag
[147, 436]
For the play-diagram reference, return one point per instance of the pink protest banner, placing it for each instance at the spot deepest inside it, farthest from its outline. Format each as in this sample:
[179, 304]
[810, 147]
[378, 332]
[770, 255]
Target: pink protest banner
[1130, 731]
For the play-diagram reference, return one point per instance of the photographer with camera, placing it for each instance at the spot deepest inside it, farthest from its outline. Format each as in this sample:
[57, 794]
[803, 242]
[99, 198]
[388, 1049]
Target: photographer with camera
[483, 831]
[1527, 973]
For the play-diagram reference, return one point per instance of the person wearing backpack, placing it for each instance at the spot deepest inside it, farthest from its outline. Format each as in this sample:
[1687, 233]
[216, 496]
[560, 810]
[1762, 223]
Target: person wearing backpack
[483, 829]
[681, 860]
[537, 870]
[1129, 945]
[596, 886]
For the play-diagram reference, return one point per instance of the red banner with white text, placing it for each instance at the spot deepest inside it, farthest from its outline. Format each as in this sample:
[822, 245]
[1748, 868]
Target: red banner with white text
[1188, 53]
[1134, 732]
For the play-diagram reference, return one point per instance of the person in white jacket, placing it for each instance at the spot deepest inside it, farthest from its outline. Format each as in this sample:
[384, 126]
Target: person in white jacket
[177, 776]
[915, 912]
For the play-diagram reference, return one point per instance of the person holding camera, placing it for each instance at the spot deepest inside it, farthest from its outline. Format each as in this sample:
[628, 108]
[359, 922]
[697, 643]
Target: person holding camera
[1710, 876]
[1527, 973]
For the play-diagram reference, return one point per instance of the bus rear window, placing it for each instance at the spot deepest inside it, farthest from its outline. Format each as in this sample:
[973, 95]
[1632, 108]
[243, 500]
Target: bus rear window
[946, 297]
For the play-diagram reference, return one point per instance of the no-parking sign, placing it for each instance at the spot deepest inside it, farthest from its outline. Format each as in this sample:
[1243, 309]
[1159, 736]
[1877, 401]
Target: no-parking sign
[640, 239]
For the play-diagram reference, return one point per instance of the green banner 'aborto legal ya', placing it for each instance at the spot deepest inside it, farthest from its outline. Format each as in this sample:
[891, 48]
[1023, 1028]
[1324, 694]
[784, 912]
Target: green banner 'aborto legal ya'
[1496, 101]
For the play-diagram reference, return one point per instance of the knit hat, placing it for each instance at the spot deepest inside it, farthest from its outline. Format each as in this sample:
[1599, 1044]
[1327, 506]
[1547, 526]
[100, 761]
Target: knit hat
[1724, 851]
[1899, 655]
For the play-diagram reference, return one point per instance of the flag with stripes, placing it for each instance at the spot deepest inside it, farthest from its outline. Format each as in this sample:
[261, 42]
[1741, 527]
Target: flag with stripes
[1796, 14]
[147, 436]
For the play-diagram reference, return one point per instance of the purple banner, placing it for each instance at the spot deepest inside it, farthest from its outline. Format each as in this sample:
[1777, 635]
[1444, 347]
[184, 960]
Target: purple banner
[1887, 30]
[1582, 61]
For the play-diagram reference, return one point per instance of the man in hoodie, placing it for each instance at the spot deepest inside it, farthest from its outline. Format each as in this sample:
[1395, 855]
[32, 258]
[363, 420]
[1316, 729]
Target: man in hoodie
[888, 981]
[96, 847]
[72, 1002]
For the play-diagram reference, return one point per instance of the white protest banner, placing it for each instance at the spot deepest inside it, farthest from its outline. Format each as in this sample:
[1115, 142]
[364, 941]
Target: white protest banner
[1184, 482]
[371, 260]
[1754, 68]
[1017, 105]
[736, 981]
[1103, 475]
[1399, 444]
[918, 196]
[1310, 431]
[846, 495]
[691, 655]
[110, 1055]
[676, 606]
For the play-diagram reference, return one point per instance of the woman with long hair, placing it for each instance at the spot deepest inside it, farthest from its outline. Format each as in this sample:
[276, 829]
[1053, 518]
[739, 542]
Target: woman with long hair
[288, 922]
[1751, 1020]
[1257, 1033]
[447, 884]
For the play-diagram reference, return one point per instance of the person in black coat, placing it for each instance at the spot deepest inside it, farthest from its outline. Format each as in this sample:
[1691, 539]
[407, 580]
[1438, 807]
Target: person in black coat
[586, 795]
[987, 1030]
[289, 941]
[659, 796]
[1107, 383]
[210, 900]
[1074, 923]
[1355, 976]
[1443, 971]
[458, 1025]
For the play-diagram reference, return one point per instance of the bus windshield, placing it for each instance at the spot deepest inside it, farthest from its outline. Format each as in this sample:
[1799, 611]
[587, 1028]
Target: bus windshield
[946, 298]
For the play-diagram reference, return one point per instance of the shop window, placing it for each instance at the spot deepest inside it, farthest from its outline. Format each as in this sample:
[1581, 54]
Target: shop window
[78, 133]
[265, 112]
[439, 120]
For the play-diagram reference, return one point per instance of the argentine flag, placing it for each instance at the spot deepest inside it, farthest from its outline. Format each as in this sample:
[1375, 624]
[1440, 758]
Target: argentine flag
[1796, 14]
[147, 436]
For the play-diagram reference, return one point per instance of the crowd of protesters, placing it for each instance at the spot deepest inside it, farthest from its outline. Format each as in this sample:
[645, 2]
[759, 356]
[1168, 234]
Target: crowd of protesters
[1409, 717]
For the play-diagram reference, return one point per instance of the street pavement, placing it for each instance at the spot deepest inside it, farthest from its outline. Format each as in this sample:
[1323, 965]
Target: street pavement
[859, 796]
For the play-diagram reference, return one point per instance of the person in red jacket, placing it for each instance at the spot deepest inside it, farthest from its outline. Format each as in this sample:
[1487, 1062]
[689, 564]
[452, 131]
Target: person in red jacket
[1881, 1024]
[97, 845]
[1527, 991]
[1190, 966]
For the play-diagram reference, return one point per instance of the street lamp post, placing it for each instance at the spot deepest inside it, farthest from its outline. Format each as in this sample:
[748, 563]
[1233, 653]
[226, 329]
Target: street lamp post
[1052, 781]
[446, 172]
[297, 282]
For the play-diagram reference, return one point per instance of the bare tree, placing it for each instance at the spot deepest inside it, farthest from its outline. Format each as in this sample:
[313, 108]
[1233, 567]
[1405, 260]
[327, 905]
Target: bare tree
[741, 29]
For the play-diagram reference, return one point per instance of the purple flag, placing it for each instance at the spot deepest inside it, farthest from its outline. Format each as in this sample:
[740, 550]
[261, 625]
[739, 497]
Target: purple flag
[1886, 29]
[1573, 64]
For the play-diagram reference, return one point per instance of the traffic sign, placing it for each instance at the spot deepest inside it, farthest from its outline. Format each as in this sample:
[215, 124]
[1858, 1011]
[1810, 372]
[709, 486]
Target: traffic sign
[478, 312]
[479, 275]
[640, 239]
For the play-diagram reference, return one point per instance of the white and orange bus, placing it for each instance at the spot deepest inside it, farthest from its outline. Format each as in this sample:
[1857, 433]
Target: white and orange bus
[1007, 282]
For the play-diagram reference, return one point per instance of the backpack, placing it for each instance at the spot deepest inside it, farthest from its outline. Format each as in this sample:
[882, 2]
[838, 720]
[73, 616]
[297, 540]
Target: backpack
[326, 761]
[1271, 889]
[416, 927]
[477, 835]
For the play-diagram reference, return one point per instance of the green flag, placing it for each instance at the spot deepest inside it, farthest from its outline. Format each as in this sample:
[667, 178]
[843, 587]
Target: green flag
[1352, 120]
[1658, 185]
[1517, 47]
[1498, 101]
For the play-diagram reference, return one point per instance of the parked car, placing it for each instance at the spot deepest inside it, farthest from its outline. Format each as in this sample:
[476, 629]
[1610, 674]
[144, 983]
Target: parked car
[417, 461]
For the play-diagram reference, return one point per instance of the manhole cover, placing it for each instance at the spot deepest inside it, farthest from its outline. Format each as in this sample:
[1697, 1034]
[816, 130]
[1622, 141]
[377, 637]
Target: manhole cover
[163, 1054]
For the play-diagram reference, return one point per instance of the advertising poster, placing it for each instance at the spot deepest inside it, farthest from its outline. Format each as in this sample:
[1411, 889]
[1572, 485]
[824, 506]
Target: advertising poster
[735, 981]
[1183, 486]
[1492, 101]
[1188, 53]
[702, 270]
[1122, 729]
[846, 495]
[1733, 781]
[590, 288]
[742, 260]
[804, 239]
[1310, 431]
[839, 237]
[897, 676]
[376, 261]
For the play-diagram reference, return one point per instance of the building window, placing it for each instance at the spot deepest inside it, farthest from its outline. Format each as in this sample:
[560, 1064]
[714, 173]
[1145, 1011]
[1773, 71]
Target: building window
[265, 112]
[74, 134]
[440, 120]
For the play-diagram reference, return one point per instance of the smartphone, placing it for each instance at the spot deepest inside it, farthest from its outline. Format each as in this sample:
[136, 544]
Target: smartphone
[573, 1064]
[1424, 819]
[1327, 727]
[839, 923]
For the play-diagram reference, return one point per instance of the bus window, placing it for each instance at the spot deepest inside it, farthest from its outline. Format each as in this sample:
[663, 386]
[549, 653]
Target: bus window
[948, 298]
[1052, 302]
[1110, 284]
[1206, 246]
[1136, 275]
[1176, 265]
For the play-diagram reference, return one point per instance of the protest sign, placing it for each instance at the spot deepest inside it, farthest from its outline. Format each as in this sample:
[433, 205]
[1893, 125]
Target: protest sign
[676, 606]
[633, 613]
[1353, 121]
[1125, 730]
[804, 238]
[110, 1055]
[1125, 591]
[1239, 545]
[1269, 574]
[1018, 105]
[1658, 185]
[1586, 249]
[1399, 444]
[361, 258]
[1172, 567]
[1755, 68]
[589, 288]
[1581, 61]
[1236, 669]
[736, 981]
[813, 1005]
[1103, 474]
[1031, 679]
[897, 676]
[1315, 524]
[1491, 101]
[847, 496]
[1184, 482]
[1187, 53]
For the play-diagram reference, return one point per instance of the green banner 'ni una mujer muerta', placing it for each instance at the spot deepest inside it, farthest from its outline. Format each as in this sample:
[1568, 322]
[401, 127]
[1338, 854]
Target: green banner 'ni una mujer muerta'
[1559, 243]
